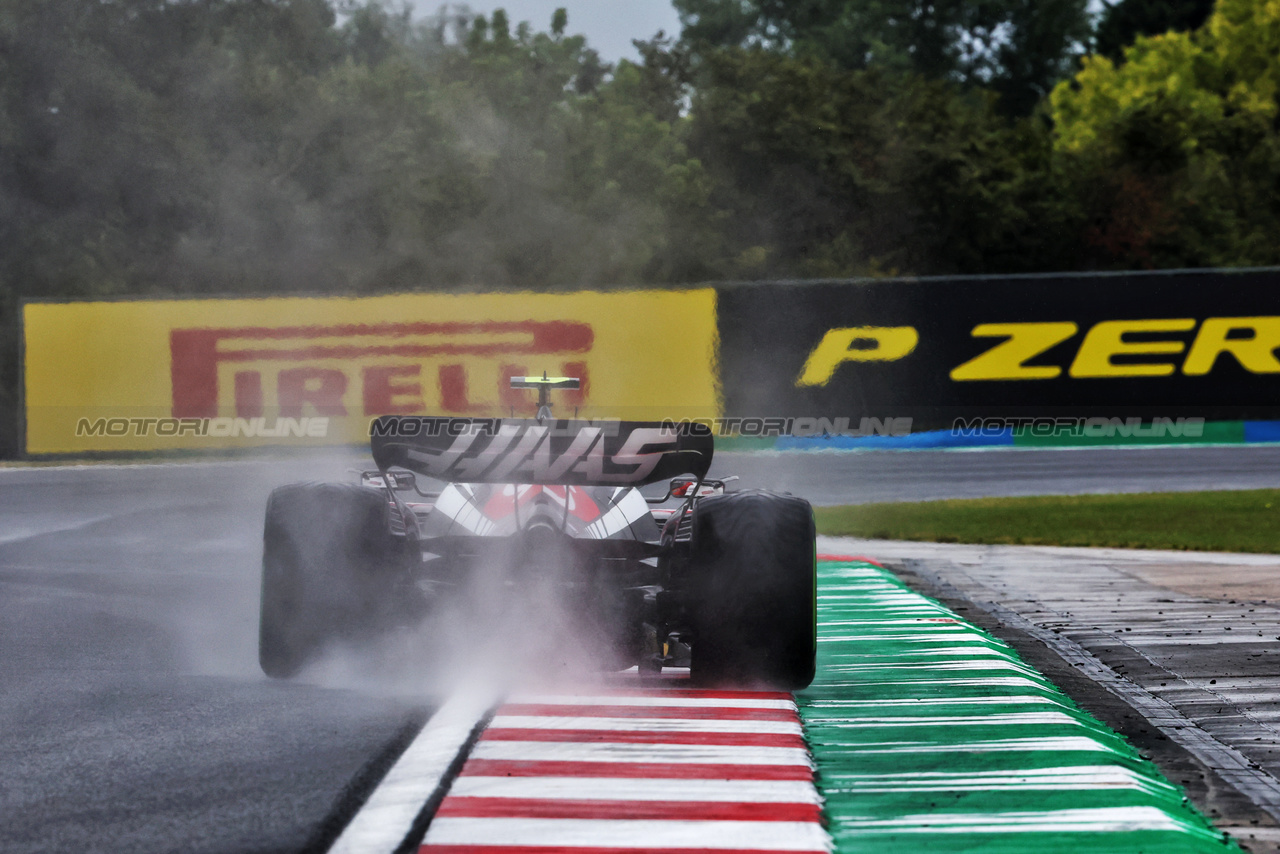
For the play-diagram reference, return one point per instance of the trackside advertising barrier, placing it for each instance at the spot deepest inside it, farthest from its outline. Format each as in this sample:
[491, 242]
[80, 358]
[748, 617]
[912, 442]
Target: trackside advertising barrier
[1031, 360]
[197, 374]
[1080, 357]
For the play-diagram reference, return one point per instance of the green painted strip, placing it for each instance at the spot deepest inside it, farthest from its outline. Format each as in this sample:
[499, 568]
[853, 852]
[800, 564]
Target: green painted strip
[1212, 433]
[745, 443]
[931, 735]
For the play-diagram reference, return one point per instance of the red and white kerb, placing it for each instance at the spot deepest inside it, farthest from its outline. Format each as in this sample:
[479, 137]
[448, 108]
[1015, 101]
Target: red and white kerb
[668, 771]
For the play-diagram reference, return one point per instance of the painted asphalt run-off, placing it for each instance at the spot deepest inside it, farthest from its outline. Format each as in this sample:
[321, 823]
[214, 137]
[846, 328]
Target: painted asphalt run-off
[921, 733]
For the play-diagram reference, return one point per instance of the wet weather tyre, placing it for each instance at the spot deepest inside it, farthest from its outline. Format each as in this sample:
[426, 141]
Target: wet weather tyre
[328, 563]
[752, 569]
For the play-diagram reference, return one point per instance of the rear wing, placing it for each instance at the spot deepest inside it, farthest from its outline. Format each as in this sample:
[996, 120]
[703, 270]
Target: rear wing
[513, 450]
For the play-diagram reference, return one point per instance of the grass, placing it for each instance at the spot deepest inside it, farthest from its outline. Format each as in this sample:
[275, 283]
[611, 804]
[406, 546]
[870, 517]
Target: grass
[1234, 521]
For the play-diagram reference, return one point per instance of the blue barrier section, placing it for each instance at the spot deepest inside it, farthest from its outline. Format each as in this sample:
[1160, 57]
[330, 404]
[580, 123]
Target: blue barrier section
[1261, 431]
[1254, 432]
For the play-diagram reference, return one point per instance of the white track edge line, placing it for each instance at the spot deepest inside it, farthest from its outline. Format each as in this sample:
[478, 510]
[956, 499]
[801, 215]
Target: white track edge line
[650, 835]
[388, 816]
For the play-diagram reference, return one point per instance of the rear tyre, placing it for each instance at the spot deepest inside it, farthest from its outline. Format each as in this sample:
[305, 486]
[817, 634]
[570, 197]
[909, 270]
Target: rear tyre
[329, 564]
[753, 582]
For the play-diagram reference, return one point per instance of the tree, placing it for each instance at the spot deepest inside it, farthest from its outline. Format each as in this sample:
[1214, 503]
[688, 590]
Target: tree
[1040, 43]
[1020, 47]
[1176, 150]
[826, 172]
[1125, 20]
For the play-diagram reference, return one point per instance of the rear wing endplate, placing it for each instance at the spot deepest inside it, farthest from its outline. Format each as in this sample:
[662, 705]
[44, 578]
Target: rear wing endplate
[512, 450]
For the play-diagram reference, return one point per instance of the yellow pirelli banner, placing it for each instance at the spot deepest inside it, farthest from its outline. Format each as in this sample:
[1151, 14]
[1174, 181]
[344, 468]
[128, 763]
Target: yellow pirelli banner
[187, 374]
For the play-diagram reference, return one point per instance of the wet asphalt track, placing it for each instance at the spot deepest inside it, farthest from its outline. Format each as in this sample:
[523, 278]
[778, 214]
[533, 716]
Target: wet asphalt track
[133, 713]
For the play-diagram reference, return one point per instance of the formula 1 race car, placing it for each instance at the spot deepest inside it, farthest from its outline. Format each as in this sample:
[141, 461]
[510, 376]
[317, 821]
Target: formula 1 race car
[721, 582]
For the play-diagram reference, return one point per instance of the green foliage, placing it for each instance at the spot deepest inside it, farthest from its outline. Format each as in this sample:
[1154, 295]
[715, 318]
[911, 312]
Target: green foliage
[825, 172]
[1018, 47]
[250, 145]
[242, 145]
[1123, 21]
[1040, 44]
[1176, 150]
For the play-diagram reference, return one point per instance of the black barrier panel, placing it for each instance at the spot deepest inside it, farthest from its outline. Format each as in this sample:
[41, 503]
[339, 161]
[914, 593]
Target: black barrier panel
[1181, 344]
